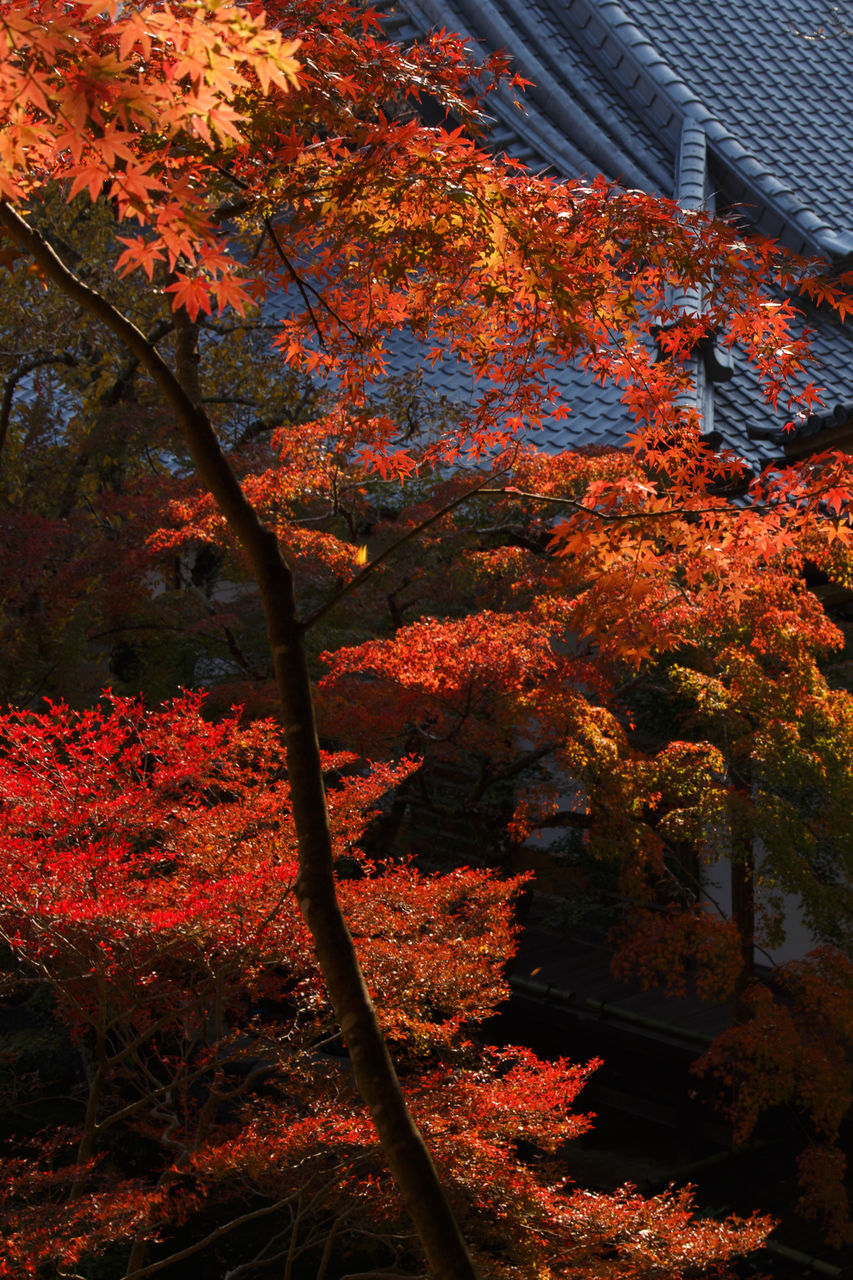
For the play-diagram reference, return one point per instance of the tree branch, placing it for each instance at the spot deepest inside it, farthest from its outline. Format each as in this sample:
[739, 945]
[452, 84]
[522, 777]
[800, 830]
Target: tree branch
[403, 1146]
[414, 532]
[139, 1272]
[12, 381]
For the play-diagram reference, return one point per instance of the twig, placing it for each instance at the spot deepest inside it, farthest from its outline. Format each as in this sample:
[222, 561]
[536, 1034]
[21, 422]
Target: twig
[303, 286]
[616, 515]
[389, 551]
[191, 1249]
[14, 378]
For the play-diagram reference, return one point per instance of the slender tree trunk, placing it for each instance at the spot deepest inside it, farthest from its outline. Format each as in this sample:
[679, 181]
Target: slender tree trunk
[375, 1077]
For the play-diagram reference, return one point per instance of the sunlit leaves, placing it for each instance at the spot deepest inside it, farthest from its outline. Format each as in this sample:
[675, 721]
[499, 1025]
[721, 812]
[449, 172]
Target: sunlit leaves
[148, 887]
[241, 159]
[85, 94]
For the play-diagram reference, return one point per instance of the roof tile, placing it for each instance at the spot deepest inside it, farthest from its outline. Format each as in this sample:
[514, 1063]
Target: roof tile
[771, 100]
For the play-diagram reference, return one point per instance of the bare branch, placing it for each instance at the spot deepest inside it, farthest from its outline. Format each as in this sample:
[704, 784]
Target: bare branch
[12, 381]
[190, 1250]
[414, 532]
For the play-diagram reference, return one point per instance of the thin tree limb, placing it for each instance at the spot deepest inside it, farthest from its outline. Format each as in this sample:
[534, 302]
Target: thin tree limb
[404, 1148]
[414, 532]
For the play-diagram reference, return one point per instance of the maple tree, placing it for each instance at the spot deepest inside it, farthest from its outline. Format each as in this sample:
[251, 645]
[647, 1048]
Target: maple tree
[78, 504]
[151, 859]
[696, 736]
[235, 155]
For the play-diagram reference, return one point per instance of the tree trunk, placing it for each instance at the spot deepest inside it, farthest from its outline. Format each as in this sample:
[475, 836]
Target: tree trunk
[375, 1077]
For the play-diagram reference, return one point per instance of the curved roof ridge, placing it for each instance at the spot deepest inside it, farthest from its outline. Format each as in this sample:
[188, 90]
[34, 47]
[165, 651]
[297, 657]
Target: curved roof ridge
[634, 62]
[553, 123]
[603, 139]
[690, 187]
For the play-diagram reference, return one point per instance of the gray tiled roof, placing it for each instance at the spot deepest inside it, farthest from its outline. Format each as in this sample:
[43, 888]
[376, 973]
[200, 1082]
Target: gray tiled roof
[774, 101]
[576, 121]
[615, 82]
[741, 401]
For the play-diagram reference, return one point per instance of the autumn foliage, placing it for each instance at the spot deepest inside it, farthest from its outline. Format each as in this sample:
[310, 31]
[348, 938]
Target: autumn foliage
[149, 891]
[221, 225]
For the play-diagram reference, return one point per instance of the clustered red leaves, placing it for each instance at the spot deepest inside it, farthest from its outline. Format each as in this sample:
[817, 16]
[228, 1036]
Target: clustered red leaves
[149, 853]
[385, 224]
[733, 644]
[679, 949]
[84, 88]
[277, 153]
[149, 888]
